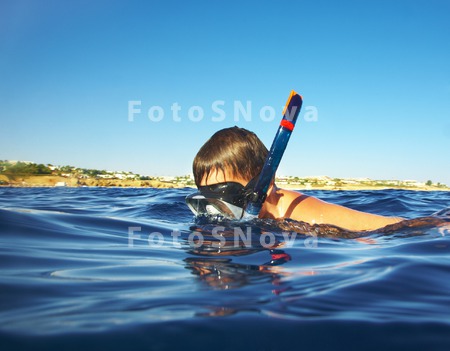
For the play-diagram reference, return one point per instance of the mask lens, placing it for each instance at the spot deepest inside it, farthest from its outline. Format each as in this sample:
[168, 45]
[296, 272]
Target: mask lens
[200, 205]
[227, 199]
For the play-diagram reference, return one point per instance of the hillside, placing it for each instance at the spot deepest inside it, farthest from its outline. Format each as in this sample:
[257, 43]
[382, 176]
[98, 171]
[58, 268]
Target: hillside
[28, 174]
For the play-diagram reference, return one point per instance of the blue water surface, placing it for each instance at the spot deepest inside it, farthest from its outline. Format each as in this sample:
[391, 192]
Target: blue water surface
[115, 269]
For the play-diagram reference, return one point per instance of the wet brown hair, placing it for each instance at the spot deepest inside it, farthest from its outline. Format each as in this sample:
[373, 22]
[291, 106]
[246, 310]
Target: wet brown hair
[236, 150]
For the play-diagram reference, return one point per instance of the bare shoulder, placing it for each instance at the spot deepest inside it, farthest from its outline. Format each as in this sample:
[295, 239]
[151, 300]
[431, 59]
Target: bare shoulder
[300, 206]
[309, 209]
[305, 208]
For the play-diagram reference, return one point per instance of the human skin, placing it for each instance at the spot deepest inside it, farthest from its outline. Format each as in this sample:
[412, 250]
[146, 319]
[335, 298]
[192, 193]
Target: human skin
[282, 203]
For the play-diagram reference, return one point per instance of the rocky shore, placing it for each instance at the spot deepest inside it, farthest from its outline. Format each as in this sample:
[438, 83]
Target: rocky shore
[53, 180]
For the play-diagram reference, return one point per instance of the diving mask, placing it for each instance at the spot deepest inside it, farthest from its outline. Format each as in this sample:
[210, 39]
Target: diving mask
[227, 199]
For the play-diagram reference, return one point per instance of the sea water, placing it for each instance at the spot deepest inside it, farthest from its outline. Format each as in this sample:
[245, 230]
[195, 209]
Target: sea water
[125, 269]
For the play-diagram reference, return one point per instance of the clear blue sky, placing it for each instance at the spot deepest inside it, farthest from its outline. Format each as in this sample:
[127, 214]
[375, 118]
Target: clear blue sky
[378, 73]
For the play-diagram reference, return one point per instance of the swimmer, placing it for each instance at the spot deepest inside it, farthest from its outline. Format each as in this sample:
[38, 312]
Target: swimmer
[225, 169]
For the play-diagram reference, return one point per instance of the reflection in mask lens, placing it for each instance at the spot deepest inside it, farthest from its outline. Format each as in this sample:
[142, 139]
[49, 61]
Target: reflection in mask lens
[199, 204]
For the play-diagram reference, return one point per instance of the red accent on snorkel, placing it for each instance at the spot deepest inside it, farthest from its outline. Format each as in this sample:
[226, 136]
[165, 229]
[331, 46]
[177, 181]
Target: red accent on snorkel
[280, 256]
[287, 124]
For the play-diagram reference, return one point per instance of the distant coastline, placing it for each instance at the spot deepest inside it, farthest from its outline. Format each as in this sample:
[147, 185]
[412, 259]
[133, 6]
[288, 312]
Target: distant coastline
[29, 174]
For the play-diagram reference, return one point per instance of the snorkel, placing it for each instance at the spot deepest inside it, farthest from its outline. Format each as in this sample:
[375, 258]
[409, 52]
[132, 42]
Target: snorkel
[259, 193]
[235, 201]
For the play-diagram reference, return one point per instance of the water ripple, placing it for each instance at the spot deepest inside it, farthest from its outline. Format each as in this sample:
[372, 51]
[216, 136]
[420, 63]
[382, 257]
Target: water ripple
[98, 261]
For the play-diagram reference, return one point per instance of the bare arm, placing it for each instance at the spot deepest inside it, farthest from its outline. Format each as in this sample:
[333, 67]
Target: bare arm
[313, 211]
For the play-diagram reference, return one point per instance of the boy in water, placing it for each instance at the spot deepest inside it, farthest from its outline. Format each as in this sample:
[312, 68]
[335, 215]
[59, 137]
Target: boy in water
[238, 155]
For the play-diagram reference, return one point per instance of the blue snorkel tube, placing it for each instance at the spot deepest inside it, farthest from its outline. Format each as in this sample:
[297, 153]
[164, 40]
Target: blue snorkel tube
[259, 193]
